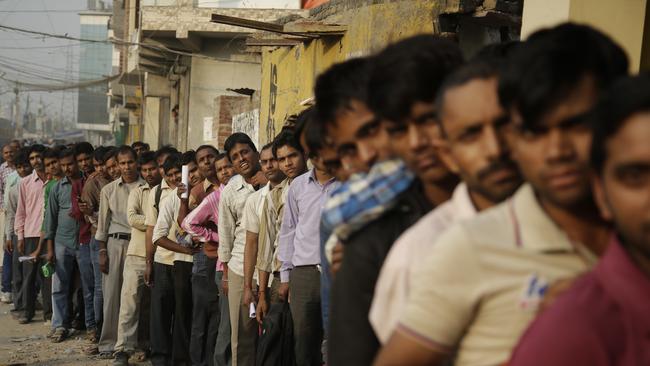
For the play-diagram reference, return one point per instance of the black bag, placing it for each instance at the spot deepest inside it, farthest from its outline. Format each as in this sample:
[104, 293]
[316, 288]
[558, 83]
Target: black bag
[275, 346]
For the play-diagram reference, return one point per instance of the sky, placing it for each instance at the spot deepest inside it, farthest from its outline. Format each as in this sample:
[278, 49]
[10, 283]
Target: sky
[38, 59]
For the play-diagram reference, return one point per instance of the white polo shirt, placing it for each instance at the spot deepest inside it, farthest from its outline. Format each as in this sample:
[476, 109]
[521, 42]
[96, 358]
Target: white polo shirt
[481, 284]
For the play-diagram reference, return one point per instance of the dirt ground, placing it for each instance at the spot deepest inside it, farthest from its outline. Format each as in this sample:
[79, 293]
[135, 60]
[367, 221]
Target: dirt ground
[27, 344]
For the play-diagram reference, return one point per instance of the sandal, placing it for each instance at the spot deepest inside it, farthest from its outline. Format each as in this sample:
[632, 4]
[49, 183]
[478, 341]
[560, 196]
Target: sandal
[105, 356]
[59, 335]
[140, 356]
[91, 350]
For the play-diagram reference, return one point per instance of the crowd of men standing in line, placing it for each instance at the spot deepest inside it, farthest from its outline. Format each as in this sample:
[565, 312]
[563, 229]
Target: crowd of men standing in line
[427, 209]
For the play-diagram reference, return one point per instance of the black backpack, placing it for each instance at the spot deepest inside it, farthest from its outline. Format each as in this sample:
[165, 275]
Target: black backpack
[275, 346]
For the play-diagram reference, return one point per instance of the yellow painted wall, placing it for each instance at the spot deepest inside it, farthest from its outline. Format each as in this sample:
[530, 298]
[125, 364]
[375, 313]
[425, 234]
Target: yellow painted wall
[289, 73]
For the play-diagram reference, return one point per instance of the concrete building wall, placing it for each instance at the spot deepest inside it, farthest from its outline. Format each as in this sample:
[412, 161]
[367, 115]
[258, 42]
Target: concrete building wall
[289, 73]
[212, 78]
[249, 4]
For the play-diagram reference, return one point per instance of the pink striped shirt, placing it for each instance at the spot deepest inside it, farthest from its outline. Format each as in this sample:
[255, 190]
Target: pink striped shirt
[29, 213]
[202, 221]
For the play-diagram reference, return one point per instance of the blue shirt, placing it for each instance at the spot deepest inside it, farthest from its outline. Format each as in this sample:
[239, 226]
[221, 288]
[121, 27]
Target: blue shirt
[59, 225]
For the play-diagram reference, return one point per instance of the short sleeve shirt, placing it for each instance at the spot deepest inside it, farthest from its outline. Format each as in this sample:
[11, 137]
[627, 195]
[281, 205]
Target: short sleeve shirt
[162, 255]
[253, 210]
[480, 285]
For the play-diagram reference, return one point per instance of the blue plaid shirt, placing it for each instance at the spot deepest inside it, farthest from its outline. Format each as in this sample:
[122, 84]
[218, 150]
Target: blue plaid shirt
[365, 197]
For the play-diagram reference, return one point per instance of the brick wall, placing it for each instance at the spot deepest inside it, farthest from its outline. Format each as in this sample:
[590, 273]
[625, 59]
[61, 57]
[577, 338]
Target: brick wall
[225, 107]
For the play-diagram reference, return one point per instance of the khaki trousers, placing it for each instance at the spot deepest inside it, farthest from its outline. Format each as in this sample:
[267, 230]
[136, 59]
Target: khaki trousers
[112, 289]
[243, 329]
[135, 300]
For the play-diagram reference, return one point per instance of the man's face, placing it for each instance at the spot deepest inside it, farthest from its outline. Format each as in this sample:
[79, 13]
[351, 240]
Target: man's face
[85, 162]
[290, 161]
[474, 146]
[195, 175]
[623, 189]
[358, 137]
[113, 169]
[150, 173]
[36, 161]
[139, 149]
[554, 157]
[244, 160]
[173, 177]
[15, 145]
[24, 170]
[100, 167]
[205, 159]
[8, 153]
[414, 139]
[69, 167]
[225, 171]
[161, 160]
[52, 167]
[331, 162]
[128, 166]
[270, 166]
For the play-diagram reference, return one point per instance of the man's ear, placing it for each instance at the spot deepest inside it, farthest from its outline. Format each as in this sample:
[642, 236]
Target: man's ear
[600, 197]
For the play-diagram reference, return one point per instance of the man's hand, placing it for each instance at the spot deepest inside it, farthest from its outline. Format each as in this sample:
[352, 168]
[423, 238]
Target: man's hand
[9, 246]
[283, 291]
[191, 250]
[85, 208]
[337, 258]
[148, 273]
[50, 258]
[103, 261]
[259, 179]
[182, 188]
[262, 307]
[21, 246]
[224, 285]
[248, 297]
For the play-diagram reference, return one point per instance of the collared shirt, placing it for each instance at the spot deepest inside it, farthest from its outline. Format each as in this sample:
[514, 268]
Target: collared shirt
[90, 194]
[253, 209]
[393, 284]
[269, 228]
[167, 224]
[138, 200]
[203, 220]
[46, 199]
[232, 235]
[5, 170]
[29, 212]
[162, 255]
[365, 197]
[113, 200]
[480, 285]
[12, 185]
[602, 320]
[300, 234]
[59, 225]
[198, 193]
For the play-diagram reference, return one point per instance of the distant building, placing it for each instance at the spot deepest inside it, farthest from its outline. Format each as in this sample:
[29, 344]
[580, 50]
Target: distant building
[95, 62]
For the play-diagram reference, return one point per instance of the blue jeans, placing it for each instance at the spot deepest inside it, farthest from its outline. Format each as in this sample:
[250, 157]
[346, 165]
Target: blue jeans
[62, 281]
[98, 299]
[6, 272]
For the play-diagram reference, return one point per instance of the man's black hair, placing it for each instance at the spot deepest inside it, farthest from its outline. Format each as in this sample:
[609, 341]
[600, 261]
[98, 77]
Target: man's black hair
[286, 138]
[238, 138]
[188, 157]
[172, 162]
[339, 85]
[68, 152]
[551, 63]
[147, 157]
[202, 147]
[166, 150]
[22, 156]
[111, 153]
[267, 146]
[126, 149]
[37, 148]
[99, 153]
[496, 51]
[220, 156]
[315, 137]
[83, 148]
[410, 71]
[140, 144]
[51, 153]
[625, 98]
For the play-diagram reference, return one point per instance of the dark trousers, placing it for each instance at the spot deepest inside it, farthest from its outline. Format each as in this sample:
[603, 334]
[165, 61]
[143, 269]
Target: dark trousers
[17, 278]
[205, 316]
[304, 287]
[6, 272]
[182, 312]
[31, 275]
[222, 350]
[162, 314]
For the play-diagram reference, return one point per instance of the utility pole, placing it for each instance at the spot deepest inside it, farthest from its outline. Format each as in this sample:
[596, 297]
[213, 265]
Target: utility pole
[17, 120]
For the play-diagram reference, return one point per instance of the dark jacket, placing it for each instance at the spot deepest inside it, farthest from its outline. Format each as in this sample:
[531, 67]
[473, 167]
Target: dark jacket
[351, 338]
[275, 346]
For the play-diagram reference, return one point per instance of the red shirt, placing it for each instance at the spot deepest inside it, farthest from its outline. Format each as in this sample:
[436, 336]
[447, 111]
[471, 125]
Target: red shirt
[604, 319]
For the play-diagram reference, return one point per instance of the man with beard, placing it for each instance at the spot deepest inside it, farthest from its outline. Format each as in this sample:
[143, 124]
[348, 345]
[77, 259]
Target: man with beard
[473, 126]
[483, 280]
[232, 242]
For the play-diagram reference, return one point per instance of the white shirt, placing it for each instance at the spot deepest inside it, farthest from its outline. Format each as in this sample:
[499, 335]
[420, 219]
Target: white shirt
[167, 224]
[253, 209]
[394, 282]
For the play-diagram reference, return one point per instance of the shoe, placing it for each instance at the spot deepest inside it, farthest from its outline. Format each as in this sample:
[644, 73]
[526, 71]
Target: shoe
[51, 333]
[91, 351]
[91, 335]
[60, 334]
[105, 356]
[121, 359]
[6, 297]
[24, 320]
